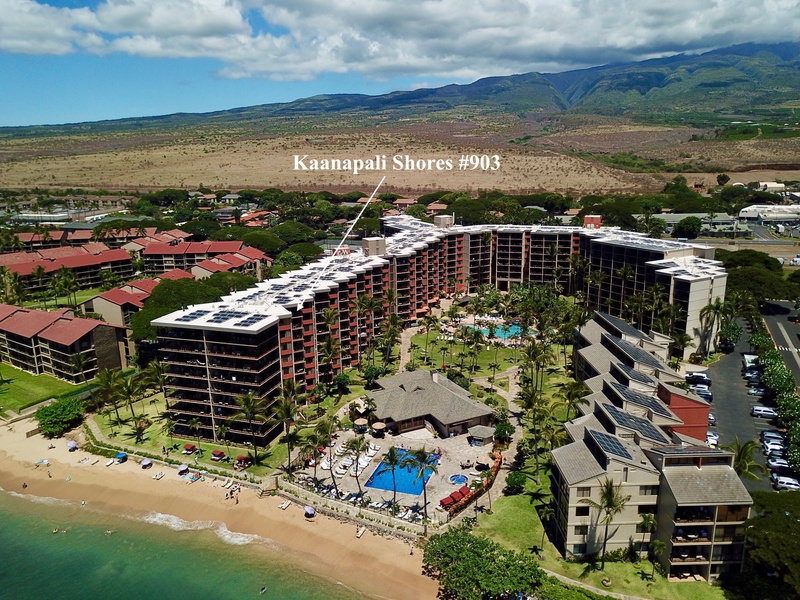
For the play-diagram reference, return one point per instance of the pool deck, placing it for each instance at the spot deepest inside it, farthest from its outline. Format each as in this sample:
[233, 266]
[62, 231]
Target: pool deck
[454, 451]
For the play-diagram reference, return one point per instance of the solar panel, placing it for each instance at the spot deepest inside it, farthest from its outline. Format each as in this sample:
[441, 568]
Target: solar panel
[610, 444]
[634, 375]
[642, 425]
[192, 316]
[251, 320]
[226, 315]
[641, 399]
[636, 353]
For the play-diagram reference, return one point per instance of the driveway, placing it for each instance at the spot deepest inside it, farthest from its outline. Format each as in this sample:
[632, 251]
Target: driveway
[732, 405]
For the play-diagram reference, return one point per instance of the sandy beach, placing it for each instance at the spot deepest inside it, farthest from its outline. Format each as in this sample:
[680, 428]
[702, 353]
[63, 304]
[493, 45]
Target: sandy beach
[372, 564]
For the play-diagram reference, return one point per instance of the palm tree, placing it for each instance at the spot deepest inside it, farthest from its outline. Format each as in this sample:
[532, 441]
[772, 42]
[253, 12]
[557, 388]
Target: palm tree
[168, 429]
[310, 447]
[546, 513]
[251, 408]
[39, 274]
[612, 502]
[594, 280]
[155, 374]
[657, 548]
[743, 462]
[108, 388]
[429, 323]
[485, 477]
[648, 524]
[711, 315]
[194, 425]
[358, 446]
[129, 389]
[680, 341]
[393, 459]
[78, 362]
[222, 434]
[285, 412]
[421, 461]
[573, 394]
[325, 429]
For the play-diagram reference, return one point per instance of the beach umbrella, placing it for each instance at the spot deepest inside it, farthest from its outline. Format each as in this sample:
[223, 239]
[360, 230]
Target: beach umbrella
[309, 511]
[360, 422]
[72, 445]
[121, 455]
[379, 425]
[183, 468]
[242, 458]
[147, 463]
[190, 447]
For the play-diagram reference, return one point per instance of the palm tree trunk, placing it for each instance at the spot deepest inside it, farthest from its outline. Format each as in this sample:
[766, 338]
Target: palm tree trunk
[605, 540]
[394, 488]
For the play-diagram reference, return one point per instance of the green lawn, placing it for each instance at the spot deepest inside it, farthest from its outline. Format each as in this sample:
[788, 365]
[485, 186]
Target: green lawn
[82, 295]
[25, 388]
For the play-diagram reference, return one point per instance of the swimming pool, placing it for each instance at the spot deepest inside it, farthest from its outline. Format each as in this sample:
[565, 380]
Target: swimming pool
[405, 477]
[504, 332]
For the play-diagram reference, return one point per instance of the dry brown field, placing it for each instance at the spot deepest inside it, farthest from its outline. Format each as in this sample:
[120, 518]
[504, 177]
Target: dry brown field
[240, 160]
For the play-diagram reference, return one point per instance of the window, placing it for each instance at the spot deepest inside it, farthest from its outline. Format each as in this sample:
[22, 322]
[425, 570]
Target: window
[579, 548]
[581, 529]
[648, 508]
[648, 490]
[582, 511]
[584, 492]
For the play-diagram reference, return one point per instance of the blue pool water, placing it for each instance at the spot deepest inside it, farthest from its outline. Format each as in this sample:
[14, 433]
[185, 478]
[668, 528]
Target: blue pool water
[405, 477]
[504, 332]
[459, 479]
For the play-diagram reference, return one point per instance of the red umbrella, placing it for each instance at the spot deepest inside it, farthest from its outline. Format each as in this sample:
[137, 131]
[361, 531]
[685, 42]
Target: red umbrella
[242, 458]
[190, 447]
[218, 453]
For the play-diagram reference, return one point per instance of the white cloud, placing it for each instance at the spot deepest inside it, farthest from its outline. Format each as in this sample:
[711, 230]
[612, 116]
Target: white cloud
[455, 39]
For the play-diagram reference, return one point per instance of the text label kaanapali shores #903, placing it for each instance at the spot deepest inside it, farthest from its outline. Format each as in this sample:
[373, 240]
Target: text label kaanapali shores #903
[398, 162]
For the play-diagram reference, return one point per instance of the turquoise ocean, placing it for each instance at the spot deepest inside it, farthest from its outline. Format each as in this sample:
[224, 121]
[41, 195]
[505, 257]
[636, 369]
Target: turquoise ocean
[152, 557]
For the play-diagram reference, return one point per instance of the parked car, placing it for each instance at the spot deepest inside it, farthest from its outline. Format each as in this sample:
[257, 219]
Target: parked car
[771, 434]
[698, 377]
[778, 463]
[777, 454]
[765, 412]
[768, 447]
[712, 439]
[754, 381]
[782, 482]
[705, 395]
[699, 387]
[759, 391]
[751, 372]
[712, 419]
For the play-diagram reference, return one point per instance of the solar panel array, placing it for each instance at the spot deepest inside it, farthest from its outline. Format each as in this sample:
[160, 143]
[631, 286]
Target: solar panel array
[251, 320]
[636, 353]
[192, 316]
[642, 425]
[635, 375]
[641, 399]
[226, 315]
[610, 444]
[622, 326]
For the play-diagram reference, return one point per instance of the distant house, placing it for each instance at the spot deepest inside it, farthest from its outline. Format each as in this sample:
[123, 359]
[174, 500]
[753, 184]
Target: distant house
[418, 399]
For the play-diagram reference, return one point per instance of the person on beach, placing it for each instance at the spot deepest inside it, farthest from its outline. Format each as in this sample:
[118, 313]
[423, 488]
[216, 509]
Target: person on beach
[24, 486]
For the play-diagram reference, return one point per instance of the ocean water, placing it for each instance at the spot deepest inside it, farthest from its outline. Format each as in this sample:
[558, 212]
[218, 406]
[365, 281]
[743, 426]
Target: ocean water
[158, 556]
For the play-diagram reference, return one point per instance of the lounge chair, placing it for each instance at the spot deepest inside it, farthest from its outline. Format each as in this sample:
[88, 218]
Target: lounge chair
[285, 504]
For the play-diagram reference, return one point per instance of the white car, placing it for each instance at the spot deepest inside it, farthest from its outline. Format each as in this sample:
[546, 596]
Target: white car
[778, 463]
[781, 482]
[700, 387]
[712, 419]
[757, 391]
[765, 412]
[771, 446]
[712, 439]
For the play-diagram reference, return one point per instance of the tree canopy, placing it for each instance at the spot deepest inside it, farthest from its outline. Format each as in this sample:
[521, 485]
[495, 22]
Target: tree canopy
[169, 296]
[473, 568]
[688, 227]
[59, 417]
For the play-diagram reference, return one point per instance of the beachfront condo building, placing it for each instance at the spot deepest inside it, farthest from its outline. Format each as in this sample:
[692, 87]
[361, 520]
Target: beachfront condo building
[309, 324]
[640, 431]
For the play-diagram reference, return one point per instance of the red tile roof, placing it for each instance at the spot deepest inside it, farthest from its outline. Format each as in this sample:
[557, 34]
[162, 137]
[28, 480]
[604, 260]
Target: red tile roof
[223, 247]
[69, 331]
[80, 235]
[95, 247]
[145, 285]
[27, 323]
[251, 253]
[17, 258]
[157, 248]
[232, 260]
[212, 267]
[120, 297]
[7, 310]
[175, 274]
[61, 252]
[27, 238]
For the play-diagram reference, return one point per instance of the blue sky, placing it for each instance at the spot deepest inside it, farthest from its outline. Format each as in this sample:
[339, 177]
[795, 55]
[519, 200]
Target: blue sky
[68, 61]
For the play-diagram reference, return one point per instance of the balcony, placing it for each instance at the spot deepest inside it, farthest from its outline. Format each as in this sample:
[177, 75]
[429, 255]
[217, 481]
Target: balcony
[697, 535]
[701, 514]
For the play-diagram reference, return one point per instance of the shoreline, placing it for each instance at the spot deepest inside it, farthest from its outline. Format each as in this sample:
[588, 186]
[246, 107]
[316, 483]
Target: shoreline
[323, 546]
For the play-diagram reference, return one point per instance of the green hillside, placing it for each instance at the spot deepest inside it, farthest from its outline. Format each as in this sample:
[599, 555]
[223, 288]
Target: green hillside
[749, 80]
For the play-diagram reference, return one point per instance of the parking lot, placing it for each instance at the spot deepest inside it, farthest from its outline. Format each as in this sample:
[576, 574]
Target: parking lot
[732, 405]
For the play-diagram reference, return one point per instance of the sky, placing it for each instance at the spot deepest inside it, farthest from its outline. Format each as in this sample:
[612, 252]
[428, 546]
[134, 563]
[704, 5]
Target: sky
[68, 61]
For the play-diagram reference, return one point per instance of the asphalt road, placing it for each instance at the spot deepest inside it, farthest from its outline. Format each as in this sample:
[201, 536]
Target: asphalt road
[731, 406]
